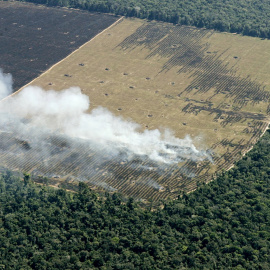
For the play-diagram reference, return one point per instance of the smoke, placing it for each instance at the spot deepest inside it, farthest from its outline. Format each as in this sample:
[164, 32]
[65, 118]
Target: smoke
[5, 84]
[66, 112]
[151, 183]
[52, 133]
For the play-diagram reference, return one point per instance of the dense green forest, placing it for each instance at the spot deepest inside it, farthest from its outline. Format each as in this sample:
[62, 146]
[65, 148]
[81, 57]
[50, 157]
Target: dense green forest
[222, 225]
[237, 16]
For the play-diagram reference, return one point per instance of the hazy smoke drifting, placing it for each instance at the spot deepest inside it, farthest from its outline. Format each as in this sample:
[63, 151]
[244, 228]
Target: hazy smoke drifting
[5, 84]
[65, 112]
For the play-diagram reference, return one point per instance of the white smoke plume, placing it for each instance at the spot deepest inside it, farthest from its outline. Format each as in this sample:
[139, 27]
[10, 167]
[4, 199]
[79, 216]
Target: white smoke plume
[65, 112]
[5, 84]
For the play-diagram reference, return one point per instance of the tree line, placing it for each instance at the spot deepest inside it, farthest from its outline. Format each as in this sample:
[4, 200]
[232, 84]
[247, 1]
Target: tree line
[222, 225]
[245, 17]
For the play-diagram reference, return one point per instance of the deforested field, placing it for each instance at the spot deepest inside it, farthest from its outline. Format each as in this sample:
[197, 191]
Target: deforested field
[211, 86]
[34, 37]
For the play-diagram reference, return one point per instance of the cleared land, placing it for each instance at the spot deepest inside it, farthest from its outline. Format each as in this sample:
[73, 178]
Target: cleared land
[212, 86]
[33, 37]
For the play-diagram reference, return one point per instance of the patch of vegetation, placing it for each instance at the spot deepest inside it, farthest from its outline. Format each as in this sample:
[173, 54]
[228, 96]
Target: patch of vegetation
[246, 17]
[222, 225]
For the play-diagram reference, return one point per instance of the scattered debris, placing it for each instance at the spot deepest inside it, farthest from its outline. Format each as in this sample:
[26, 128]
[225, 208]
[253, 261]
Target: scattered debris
[141, 39]
[168, 96]
[161, 189]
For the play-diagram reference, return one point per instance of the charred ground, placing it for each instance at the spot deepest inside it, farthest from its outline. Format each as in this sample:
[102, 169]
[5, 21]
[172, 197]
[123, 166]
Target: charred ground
[34, 37]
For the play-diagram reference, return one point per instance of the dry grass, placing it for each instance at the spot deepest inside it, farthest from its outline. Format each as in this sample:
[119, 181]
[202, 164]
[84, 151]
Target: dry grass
[212, 86]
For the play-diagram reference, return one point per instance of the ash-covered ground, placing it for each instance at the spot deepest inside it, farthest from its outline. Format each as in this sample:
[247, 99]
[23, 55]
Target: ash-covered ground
[34, 37]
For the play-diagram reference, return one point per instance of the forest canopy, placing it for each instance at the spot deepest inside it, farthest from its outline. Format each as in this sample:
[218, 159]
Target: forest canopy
[245, 17]
[222, 225]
